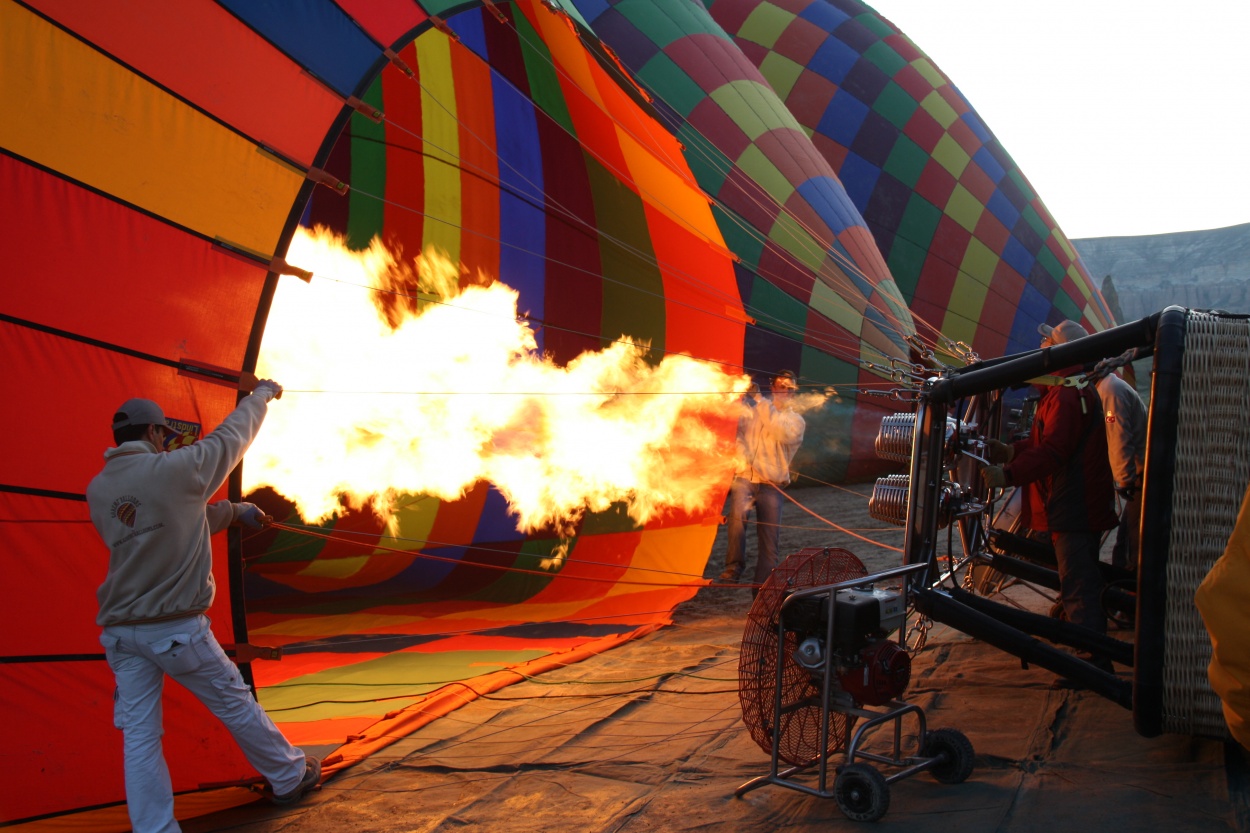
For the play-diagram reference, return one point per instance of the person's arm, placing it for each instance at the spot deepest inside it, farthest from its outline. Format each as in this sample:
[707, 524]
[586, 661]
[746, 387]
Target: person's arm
[1062, 425]
[208, 463]
[220, 515]
[784, 426]
[1120, 447]
[223, 513]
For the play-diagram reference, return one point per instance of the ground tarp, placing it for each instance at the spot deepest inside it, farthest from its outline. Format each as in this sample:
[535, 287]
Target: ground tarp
[649, 737]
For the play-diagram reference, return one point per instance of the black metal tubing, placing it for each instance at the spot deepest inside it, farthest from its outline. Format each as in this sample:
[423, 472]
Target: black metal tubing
[1030, 548]
[1114, 598]
[1046, 577]
[1165, 403]
[942, 607]
[1049, 628]
[925, 477]
[980, 378]
[1162, 334]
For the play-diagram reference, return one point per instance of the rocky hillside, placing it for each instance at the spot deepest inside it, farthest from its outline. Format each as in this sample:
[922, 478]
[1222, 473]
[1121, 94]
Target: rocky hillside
[1197, 269]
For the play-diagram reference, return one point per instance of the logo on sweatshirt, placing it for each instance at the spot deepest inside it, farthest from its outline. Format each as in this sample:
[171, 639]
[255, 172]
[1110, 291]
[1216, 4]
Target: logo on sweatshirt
[125, 509]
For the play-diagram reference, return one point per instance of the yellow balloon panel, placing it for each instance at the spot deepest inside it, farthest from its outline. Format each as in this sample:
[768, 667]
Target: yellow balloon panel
[92, 119]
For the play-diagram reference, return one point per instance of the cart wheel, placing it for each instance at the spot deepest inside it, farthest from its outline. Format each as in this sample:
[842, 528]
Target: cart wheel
[861, 792]
[955, 751]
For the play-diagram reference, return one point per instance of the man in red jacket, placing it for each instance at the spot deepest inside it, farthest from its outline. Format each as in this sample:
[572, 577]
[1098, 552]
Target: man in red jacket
[1069, 491]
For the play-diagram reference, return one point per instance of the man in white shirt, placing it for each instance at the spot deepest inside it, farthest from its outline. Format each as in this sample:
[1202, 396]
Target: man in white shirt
[150, 507]
[769, 435]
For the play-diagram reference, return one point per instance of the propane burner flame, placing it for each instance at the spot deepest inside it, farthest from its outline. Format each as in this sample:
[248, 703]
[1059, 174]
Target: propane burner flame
[420, 379]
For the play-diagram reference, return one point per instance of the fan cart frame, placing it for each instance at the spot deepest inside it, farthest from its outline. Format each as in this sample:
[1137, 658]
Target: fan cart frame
[862, 792]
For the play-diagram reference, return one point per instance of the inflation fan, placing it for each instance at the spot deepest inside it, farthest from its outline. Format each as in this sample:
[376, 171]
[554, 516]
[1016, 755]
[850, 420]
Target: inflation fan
[821, 652]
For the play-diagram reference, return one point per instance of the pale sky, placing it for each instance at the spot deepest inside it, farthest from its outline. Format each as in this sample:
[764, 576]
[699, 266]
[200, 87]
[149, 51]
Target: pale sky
[1128, 118]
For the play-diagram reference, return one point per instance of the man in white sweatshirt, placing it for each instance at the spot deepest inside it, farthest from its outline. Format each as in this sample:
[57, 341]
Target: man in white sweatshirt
[769, 435]
[151, 509]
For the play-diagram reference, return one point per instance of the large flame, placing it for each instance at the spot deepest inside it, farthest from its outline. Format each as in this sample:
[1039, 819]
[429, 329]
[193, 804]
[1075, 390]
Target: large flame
[431, 392]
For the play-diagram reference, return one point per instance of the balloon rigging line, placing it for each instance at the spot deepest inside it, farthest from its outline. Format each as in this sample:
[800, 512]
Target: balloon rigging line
[847, 530]
[429, 686]
[712, 161]
[522, 678]
[546, 720]
[547, 206]
[814, 388]
[457, 160]
[663, 675]
[488, 176]
[314, 645]
[987, 284]
[818, 389]
[537, 702]
[826, 251]
[538, 322]
[849, 354]
[790, 498]
[695, 582]
[620, 747]
[343, 536]
[831, 485]
[760, 200]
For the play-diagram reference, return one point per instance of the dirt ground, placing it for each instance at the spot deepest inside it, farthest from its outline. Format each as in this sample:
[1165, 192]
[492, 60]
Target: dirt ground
[650, 737]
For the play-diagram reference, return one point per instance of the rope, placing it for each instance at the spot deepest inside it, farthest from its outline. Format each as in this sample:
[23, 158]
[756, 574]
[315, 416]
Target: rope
[701, 149]
[696, 581]
[843, 530]
[849, 353]
[831, 250]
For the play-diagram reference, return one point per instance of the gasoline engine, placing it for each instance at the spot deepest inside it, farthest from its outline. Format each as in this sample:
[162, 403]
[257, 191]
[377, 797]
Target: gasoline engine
[869, 667]
[821, 668]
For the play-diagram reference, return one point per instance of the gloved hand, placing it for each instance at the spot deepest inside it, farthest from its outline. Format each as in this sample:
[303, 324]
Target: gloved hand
[253, 518]
[994, 477]
[269, 389]
[999, 452]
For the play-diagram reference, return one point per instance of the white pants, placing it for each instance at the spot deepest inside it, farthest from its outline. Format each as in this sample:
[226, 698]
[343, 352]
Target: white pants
[185, 649]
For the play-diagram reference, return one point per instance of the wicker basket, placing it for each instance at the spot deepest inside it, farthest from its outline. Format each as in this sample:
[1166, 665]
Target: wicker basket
[1197, 470]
